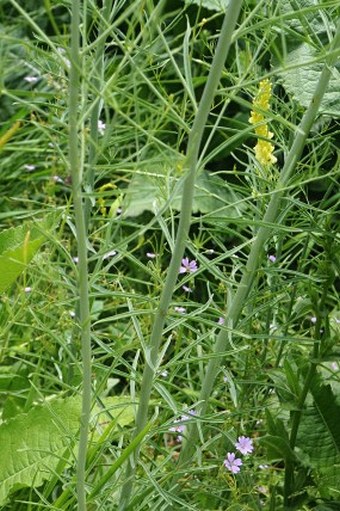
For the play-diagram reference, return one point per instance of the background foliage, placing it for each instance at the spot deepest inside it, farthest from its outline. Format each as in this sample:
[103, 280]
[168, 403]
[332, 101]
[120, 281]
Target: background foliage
[145, 66]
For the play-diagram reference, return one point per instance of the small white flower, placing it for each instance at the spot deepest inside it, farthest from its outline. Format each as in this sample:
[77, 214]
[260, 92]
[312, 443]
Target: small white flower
[57, 179]
[187, 289]
[180, 310]
[31, 79]
[29, 167]
[110, 254]
[101, 127]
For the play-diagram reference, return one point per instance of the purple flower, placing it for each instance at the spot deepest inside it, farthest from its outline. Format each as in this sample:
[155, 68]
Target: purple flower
[244, 445]
[220, 321]
[179, 426]
[231, 463]
[188, 266]
[272, 258]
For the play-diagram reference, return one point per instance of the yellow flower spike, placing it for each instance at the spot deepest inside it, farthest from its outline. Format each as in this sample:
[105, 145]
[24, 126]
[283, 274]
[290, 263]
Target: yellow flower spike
[101, 201]
[263, 149]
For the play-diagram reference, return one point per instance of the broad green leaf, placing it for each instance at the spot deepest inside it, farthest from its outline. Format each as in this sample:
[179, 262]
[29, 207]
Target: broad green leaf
[31, 444]
[306, 17]
[18, 245]
[151, 189]
[213, 5]
[300, 79]
[119, 408]
[278, 448]
[319, 439]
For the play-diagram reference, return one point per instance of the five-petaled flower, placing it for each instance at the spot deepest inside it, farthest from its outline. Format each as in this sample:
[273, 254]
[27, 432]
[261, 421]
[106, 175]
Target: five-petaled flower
[244, 445]
[188, 266]
[232, 463]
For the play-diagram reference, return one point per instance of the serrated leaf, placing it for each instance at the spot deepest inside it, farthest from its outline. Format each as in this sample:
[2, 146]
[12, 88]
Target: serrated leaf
[300, 80]
[213, 5]
[31, 444]
[18, 245]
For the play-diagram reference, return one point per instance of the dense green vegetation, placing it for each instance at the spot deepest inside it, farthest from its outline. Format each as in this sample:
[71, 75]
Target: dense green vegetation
[169, 255]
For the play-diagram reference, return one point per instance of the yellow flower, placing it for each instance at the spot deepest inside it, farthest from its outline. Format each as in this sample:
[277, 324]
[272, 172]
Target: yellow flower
[263, 149]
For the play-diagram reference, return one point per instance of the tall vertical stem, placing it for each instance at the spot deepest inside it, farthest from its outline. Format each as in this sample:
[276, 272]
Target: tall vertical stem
[81, 235]
[194, 143]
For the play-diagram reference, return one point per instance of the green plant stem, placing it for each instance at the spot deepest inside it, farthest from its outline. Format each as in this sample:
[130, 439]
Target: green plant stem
[257, 247]
[194, 142]
[84, 309]
[97, 82]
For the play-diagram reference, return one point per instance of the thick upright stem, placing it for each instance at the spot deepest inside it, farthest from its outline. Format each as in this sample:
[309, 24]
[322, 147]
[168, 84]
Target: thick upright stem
[83, 291]
[194, 143]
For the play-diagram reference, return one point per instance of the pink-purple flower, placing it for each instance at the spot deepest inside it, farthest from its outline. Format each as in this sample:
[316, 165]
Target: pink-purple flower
[244, 444]
[232, 463]
[188, 266]
[180, 424]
